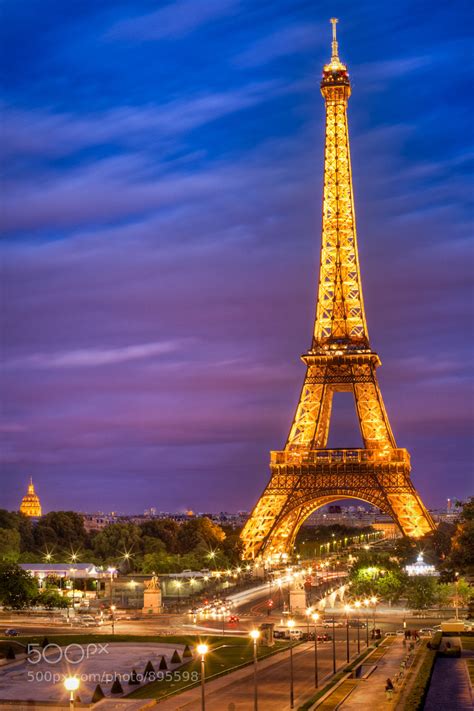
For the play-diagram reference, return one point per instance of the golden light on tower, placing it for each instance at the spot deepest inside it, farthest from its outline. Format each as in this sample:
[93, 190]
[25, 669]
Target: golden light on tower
[307, 475]
[30, 503]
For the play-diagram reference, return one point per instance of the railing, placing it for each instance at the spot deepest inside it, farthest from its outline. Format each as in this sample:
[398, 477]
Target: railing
[343, 456]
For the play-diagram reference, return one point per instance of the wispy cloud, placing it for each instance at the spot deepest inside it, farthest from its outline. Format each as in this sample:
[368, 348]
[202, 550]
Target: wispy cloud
[172, 21]
[94, 357]
[288, 40]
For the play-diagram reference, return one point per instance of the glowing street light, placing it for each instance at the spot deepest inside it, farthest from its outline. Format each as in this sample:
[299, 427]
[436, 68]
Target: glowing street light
[203, 649]
[308, 613]
[357, 605]
[255, 634]
[347, 609]
[71, 684]
[290, 625]
[315, 618]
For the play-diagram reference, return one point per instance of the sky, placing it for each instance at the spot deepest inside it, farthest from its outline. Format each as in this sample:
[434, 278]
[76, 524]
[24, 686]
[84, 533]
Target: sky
[161, 197]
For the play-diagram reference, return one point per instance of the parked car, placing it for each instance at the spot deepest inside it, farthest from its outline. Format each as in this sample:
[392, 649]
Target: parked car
[357, 623]
[12, 633]
[427, 631]
[233, 618]
[279, 634]
[400, 633]
[390, 634]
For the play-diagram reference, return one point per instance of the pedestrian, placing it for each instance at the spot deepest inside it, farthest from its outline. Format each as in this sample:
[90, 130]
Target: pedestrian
[389, 689]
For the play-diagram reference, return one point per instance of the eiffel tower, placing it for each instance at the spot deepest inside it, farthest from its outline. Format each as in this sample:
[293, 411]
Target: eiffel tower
[306, 475]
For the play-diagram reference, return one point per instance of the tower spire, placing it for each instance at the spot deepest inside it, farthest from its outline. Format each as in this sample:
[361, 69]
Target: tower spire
[335, 51]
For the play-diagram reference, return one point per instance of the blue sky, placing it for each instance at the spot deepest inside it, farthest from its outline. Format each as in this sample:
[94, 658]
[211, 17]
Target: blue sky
[161, 225]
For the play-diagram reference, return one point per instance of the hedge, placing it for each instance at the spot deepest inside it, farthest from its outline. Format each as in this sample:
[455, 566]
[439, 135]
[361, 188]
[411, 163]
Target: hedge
[416, 698]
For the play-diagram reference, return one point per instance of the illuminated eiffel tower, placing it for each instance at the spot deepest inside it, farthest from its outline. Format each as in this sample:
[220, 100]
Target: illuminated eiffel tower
[306, 475]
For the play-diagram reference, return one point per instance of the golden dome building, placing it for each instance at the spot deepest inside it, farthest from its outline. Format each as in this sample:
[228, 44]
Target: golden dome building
[30, 503]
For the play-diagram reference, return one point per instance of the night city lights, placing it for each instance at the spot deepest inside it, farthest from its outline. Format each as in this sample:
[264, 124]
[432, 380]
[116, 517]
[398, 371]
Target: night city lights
[194, 515]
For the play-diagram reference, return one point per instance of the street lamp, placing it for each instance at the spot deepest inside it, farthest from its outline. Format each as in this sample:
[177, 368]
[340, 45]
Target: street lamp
[357, 605]
[291, 624]
[366, 605]
[112, 610]
[456, 582]
[73, 578]
[71, 684]
[374, 601]
[203, 649]
[255, 634]
[315, 617]
[308, 613]
[347, 609]
[111, 572]
[178, 585]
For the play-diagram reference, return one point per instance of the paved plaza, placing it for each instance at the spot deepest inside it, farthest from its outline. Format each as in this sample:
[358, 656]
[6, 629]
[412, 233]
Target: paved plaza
[95, 664]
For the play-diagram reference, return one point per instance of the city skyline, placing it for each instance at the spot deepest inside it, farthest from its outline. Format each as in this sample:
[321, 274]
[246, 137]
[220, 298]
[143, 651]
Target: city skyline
[162, 242]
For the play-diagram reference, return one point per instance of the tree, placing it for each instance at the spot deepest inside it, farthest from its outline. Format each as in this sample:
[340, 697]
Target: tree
[422, 592]
[199, 533]
[61, 529]
[461, 558]
[51, 599]
[391, 586]
[165, 530]
[9, 545]
[17, 588]
[112, 542]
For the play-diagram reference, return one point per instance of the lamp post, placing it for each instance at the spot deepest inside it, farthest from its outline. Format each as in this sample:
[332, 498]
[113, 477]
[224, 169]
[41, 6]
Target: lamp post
[308, 613]
[366, 605]
[111, 572]
[315, 618]
[374, 600]
[291, 624]
[73, 579]
[333, 644]
[456, 582]
[255, 634]
[347, 609]
[112, 610]
[357, 605]
[203, 649]
[71, 684]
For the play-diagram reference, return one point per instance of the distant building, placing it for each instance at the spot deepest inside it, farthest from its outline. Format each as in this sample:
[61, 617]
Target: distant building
[420, 567]
[30, 503]
[97, 521]
[62, 570]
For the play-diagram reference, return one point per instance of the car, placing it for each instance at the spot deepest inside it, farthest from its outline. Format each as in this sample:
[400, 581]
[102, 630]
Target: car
[390, 634]
[279, 634]
[333, 623]
[233, 618]
[357, 623]
[400, 633]
[427, 631]
[11, 633]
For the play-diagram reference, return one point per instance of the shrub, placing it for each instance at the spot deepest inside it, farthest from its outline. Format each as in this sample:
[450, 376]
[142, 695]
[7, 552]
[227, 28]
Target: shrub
[175, 659]
[133, 678]
[10, 653]
[163, 664]
[45, 642]
[436, 640]
[416, 697]
[97, 695]
[149, 669]
[116, 687]
[187, 652]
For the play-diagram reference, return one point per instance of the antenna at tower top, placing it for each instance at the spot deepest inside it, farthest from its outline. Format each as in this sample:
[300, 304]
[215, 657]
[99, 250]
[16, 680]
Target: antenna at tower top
[335, 54]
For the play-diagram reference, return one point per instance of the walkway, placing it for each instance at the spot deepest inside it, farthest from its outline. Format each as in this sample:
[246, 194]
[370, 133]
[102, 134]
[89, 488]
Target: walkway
[370, 692]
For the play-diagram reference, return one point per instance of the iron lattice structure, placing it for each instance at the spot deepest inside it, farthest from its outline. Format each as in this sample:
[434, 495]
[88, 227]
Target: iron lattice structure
[306, 475]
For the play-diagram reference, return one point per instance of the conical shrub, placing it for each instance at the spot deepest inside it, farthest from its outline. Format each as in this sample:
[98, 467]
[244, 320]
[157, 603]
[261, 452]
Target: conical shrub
[149, 669]
[116, 687]
[163, 664]
[133, 681]
[187, 652]
[10, 653]
[175, 659]
[97, 695]
[45, 642]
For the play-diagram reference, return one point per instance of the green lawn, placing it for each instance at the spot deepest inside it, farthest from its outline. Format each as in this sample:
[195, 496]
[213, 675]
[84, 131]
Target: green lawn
[467, 642]
[224, 655]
